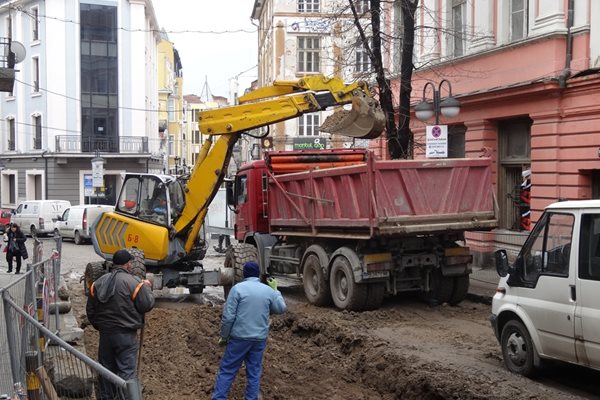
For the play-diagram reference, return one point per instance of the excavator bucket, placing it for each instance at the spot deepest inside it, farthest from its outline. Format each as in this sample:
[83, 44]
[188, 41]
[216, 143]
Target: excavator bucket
[365, 120]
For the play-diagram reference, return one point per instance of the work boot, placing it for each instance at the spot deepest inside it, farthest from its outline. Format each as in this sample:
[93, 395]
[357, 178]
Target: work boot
[9, 271]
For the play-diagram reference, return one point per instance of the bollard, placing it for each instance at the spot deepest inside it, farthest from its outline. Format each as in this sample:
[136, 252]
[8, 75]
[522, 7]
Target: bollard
[33, 382]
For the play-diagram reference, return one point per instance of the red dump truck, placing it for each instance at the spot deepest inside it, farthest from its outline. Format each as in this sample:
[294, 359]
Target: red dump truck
[356, 229]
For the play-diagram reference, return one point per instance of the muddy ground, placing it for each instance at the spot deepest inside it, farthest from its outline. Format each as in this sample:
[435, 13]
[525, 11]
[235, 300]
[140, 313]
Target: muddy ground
[405, 350]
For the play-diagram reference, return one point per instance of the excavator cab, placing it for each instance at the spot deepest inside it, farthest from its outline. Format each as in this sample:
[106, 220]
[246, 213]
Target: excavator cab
[153, 198]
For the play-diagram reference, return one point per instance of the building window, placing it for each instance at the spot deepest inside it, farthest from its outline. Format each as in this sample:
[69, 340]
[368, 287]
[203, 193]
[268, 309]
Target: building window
[362, 6]
[398, 34]
[11, 134]
[171, 110]
[35, 71]
[8, 26]
[362, 62]
[308, 6]
[9, 188]
[458, 32]
[37, 132]
[518, 19]
[99, 78]
[35, 24]
[308, 54]
[456, 141]
[308, 125]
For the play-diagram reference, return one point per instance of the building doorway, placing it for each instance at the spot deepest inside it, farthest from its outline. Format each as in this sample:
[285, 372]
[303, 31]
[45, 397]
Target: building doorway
[514, 154]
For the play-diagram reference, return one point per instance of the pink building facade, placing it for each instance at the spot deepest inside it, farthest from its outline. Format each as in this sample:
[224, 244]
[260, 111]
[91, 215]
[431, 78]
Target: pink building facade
[527, 75]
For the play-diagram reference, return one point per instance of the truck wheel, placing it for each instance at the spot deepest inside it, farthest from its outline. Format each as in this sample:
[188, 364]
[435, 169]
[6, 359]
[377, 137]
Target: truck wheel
[375, 294]
[316, 289]
[346, 294]
[77, 238]
[93, 271]
[517, 349]
[440, 288]
[138, 268]
[461, 288]
[235, 257]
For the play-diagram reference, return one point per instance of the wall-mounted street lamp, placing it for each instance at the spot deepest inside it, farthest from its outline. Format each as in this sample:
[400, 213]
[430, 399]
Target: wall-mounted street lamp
[448, 107]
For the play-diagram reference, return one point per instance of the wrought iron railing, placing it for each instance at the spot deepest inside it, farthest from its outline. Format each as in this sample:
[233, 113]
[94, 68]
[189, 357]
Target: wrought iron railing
[11, 145]
[37, 143]
[91, 144]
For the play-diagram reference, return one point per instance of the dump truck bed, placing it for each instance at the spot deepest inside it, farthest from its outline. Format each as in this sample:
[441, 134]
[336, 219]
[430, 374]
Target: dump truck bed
[382, 198]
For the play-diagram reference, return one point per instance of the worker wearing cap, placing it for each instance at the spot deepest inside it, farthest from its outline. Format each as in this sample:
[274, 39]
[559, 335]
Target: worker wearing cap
[116, 308]
[244, 329]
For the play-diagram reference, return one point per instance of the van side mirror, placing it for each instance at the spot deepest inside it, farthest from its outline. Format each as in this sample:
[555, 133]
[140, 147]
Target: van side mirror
[229, 193]
[502, 266]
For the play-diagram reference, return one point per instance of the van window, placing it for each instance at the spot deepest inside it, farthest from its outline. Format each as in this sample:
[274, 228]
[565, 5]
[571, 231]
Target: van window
[549, 247]
[65, 215]
[19, 209]
[589, 247]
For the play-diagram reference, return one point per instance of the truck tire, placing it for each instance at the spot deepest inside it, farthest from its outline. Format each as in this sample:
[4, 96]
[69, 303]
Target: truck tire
[316, 288]
[440, 288]
[93, 271]
[461, 288]
[138, 268]
[346, 294]
[375, 294]
[235, 257]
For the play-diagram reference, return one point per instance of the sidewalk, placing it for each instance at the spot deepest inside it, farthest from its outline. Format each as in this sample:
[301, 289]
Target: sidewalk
[483, 284]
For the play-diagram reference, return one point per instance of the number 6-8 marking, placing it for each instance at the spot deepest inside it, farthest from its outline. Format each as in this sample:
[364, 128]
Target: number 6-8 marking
[133, 238]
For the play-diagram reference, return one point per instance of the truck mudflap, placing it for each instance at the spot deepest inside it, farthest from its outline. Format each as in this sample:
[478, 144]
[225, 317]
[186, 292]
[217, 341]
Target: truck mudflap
[367, 267]
[457, 261]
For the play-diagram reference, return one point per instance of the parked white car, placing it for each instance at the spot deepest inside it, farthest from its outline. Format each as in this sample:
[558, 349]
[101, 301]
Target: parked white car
[75, 222]
[547, 305]
[35, 217]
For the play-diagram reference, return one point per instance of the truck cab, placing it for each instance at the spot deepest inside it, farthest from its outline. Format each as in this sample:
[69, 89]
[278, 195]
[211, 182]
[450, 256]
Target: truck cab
[547, 305]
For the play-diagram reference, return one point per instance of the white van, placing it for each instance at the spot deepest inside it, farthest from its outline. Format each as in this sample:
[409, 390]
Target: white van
[35, 216]
[75, 222]
[547, 305]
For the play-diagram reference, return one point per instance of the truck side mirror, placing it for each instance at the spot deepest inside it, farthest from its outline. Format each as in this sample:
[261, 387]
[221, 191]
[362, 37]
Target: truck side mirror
[229, 194]
[502, 267]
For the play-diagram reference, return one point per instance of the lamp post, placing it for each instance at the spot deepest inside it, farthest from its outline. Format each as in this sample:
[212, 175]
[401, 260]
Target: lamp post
[176, 158]
[448, 107]
[97, 174]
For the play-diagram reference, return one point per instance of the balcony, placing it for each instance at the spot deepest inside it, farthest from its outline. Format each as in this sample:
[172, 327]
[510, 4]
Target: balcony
[83, 144]
[7, 66]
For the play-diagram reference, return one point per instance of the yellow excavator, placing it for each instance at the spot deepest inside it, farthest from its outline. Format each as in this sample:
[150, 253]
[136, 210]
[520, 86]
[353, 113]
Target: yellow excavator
[159, 217]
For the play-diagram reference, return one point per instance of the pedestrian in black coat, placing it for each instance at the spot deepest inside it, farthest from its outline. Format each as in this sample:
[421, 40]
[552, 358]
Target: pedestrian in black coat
[15, 247]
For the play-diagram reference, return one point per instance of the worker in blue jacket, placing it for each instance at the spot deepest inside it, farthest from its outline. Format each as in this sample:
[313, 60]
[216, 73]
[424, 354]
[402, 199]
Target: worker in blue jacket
[244, 330]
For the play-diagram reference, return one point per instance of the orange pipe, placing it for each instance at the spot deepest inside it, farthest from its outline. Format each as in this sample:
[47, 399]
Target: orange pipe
[277, 159]
[298, 167]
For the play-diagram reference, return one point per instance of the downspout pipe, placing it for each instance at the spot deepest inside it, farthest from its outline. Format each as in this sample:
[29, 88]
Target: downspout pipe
[45, 174]
[566, 73]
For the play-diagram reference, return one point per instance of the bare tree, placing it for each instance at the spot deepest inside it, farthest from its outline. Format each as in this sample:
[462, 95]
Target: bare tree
[399, 135]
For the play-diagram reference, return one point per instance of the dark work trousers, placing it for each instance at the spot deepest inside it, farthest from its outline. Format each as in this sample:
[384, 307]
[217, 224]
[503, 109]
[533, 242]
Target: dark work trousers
[9, 260]
[118, 353]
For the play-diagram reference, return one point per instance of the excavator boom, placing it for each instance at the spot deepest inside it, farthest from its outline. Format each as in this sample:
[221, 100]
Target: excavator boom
[169, 237]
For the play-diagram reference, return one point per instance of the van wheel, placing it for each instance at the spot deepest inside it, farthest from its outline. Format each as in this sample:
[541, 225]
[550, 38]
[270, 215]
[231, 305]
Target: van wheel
[77, 238]
[517, 349]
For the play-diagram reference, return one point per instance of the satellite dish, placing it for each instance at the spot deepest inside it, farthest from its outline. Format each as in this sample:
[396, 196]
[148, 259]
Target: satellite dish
[18, 50]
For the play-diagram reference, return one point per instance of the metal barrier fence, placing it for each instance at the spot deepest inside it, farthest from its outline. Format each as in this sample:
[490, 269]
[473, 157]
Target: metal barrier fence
[35, 363]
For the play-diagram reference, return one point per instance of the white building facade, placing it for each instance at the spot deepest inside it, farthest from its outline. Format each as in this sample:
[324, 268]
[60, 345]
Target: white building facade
[87, 86]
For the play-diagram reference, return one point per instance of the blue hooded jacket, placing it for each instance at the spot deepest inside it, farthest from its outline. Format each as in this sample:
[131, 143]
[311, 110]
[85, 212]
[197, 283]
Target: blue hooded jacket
[247, 310]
